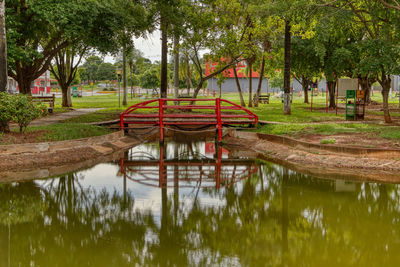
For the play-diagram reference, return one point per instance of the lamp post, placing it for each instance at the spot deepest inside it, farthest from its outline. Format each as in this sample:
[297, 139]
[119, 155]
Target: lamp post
[119, 72]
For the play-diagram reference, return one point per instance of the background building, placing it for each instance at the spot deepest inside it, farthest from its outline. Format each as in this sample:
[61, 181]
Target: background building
[41, 86]
[229, 85]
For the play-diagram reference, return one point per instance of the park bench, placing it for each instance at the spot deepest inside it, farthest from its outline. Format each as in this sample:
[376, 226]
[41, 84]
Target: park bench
[185, 96]
[45, 99]
[263, 98]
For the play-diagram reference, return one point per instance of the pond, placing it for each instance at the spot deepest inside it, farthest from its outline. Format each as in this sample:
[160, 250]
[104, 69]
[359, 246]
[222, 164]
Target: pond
[197, 204]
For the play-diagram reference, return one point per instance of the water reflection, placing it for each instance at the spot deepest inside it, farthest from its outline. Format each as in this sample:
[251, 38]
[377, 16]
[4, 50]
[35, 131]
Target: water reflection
[113, 216]
[185, 165]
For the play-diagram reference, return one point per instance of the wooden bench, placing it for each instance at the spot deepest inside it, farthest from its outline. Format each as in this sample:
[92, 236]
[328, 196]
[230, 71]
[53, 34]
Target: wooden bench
[185, 96]
[45, 99]
[263, 98]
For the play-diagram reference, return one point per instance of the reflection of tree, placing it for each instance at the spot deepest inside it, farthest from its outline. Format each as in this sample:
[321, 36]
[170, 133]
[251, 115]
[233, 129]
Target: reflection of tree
[80, 227]
[20, 203]
[277, 217]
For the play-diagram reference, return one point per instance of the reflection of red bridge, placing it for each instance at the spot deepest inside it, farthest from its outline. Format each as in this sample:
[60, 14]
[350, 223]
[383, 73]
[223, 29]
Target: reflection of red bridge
[183, 173]
[214, 112]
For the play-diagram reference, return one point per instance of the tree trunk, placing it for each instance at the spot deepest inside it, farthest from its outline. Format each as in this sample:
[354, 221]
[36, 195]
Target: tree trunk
[286, 96]
[66, 96]
[385, 83]
[24, 84]
[131, 71]
[332, 95]
[242, 102]
[260, 82]
[3, 49]
[164, 58]
[176, 67]
[304, 84]
[366, 84]
[124, 83]
[4, 127]
[250, 84]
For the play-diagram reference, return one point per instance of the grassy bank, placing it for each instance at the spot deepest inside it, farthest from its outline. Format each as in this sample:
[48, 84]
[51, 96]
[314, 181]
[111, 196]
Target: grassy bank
[54, 132]
[388, 132]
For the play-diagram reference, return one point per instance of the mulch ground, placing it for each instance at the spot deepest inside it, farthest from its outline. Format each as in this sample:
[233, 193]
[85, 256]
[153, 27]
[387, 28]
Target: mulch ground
[22, 138]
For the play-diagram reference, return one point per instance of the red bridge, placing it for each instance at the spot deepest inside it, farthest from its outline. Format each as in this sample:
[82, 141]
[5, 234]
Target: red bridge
[173, 112]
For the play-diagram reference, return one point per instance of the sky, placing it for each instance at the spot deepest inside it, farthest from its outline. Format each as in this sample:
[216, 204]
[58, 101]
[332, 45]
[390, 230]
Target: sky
[151, 47]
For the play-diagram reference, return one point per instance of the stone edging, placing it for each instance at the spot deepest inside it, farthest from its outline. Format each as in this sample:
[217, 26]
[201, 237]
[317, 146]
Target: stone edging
[25, 157]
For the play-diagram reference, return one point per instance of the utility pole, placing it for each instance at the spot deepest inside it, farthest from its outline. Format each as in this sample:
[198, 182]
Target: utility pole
[3, 48]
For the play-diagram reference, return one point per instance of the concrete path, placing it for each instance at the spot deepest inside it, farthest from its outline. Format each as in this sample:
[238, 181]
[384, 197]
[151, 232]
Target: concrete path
[59, 117]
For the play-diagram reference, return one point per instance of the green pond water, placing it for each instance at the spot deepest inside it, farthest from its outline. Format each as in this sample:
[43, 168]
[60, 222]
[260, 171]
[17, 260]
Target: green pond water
[197, 205]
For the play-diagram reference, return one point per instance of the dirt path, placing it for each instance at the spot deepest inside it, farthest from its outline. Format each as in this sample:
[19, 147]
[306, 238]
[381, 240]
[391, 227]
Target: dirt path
[59, 117]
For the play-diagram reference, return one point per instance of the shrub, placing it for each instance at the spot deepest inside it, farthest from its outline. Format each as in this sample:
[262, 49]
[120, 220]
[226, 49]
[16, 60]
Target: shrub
[26, 111]
[7, 111]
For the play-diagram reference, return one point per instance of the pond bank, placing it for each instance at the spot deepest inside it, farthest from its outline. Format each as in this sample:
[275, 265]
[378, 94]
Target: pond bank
[367, 164]
[50, 154]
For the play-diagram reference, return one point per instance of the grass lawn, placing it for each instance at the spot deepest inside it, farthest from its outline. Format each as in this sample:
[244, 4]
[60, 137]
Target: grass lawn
[68, 131]
[101, 115]
[300, 121]
[268, 112]
[389, 132]
[54, 132]
[98, 101]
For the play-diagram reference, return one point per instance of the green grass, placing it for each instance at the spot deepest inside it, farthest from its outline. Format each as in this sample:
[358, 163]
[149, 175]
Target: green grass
[328, 141]
[389, 132]
[68, 131]
[59, 109]
[99, 101]
[101, 115]
[269, 112]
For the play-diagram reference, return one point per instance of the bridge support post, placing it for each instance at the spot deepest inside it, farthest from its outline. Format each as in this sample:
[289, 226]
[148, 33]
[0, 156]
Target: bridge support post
[219, 119]
[161, 118]
[122, 125]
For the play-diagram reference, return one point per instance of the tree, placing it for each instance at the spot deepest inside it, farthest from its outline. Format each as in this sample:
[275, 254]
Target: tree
[150, 79]
[176, 67]
[305, 63]
[65, 69]
[242, 102]
[214, 26]
[38, 30]
[379, 53]
[105, 71]
[166, 15]
[286, 76]
[391, 4]
[3, 48]
[91, 67]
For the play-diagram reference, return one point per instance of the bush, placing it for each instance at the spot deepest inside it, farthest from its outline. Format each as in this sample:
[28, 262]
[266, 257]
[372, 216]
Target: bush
[7, 111]
[26, 111]
[19, 109]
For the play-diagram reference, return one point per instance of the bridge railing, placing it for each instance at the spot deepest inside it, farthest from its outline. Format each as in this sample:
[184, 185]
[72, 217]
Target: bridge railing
[164, 112]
